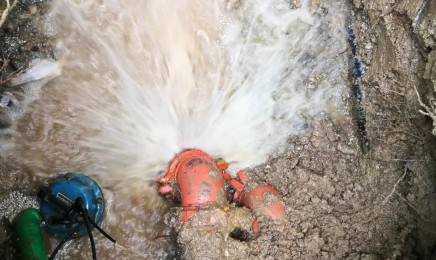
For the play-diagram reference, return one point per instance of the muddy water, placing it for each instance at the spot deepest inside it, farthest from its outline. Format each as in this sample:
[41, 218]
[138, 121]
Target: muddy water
[141, 81]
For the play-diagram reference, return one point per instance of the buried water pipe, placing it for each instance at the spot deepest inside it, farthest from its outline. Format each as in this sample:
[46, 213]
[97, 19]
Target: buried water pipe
[213, 203]
[214, 207]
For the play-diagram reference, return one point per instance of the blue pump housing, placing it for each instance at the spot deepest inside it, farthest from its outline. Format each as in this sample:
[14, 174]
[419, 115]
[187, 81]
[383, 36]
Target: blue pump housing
[57, 205]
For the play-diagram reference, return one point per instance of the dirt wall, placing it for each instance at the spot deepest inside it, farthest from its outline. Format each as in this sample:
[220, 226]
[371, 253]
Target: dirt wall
[347, 202]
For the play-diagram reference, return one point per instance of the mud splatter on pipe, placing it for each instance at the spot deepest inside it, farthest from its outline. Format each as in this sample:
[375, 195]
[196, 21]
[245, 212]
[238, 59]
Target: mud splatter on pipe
[199, 182]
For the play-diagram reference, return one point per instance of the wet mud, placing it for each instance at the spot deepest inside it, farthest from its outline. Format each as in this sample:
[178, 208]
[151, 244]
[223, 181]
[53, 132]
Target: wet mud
[360, 185]
[344, 202]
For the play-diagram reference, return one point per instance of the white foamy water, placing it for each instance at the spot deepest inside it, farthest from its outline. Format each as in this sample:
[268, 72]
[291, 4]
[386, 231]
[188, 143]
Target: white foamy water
[139, 81]
[143, 80]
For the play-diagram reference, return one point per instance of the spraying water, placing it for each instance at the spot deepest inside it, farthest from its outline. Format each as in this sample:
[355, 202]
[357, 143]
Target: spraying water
[142, 81]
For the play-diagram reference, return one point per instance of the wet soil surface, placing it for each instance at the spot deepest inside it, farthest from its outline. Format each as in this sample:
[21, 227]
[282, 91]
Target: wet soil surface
[21, 42]
[374, 202]
[357, 186]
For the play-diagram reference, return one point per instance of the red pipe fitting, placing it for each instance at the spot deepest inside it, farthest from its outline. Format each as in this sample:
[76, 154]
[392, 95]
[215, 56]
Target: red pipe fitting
[198, 181]
[262, 200]
[196, 178]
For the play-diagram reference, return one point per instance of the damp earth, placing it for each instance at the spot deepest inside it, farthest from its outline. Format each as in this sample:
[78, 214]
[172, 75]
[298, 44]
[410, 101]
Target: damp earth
[357, 183]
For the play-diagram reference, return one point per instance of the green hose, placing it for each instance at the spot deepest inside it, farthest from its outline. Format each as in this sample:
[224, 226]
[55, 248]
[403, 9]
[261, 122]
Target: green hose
[27, 235]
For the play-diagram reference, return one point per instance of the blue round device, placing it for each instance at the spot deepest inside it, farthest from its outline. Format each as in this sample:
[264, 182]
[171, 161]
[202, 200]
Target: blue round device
[67, 201]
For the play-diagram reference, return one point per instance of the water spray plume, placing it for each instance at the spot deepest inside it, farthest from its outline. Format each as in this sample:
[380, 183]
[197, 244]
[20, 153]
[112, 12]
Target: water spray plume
[139, 86]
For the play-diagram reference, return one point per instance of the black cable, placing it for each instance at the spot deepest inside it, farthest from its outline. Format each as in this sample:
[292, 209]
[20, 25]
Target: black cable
[88, 228]
[83, 216]
[101, 230]
[63, 241]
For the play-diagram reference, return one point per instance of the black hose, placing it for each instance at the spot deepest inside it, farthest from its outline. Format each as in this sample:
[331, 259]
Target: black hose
[101, 230]
[88, 228]
[63, 241]
[79, 208]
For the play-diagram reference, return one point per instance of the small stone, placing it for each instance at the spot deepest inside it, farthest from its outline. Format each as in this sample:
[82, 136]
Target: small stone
[32, 9]
[316, 200]
[7, 100]
[345, 149]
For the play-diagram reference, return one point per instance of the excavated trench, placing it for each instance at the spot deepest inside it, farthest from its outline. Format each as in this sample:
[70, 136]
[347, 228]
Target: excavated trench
[360, 185]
